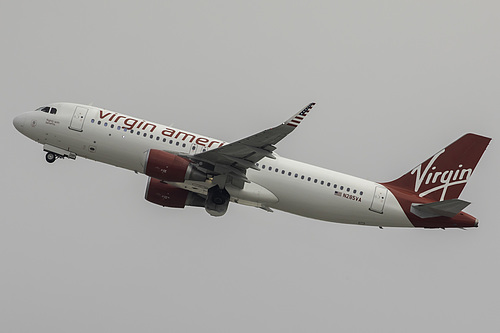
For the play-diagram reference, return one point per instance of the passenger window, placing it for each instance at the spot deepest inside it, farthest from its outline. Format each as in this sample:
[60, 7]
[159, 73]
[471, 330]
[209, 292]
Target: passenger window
[322, 182]
[138, 132]
[99, 122]
[270, 168]
[282, 172]
[145, 135]
[296, 175]
[131, 131]
[308, 179]
[276, 170]
[328, 184]
[118, 127]
[354, 191]
[341, 187]
[92, 121]
[348, 189]
[335, 186]
[360, 192]
[112, 126]
[302, 177]
[177, 143]
[263, 166]
[157, 138]
[289, 173]
[183, 145]
[164, 140]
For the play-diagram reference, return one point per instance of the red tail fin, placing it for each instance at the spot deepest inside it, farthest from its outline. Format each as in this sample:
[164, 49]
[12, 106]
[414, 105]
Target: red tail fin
[444, 175]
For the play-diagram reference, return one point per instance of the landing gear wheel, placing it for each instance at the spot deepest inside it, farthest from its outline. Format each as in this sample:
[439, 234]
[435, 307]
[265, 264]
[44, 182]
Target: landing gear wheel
[50, 157]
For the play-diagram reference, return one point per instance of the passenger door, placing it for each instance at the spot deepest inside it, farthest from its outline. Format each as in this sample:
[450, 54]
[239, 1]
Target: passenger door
[78, 119]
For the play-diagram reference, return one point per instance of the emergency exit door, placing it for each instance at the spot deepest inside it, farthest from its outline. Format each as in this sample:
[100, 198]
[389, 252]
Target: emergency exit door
[78, 119]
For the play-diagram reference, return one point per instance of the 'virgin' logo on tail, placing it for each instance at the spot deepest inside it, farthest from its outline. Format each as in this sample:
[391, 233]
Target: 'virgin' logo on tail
[444, 179]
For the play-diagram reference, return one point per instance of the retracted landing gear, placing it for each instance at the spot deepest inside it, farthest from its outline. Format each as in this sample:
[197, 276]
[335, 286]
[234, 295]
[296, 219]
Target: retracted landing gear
[217, 201]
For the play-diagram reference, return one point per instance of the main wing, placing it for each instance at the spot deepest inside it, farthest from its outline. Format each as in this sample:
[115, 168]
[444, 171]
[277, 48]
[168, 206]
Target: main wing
[235, 158]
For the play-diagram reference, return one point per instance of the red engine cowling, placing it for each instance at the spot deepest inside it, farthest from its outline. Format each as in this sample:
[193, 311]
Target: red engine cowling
[170, 167]
[170, 196]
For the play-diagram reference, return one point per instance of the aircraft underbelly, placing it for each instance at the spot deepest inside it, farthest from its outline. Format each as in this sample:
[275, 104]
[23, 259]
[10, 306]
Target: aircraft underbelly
[329, 208]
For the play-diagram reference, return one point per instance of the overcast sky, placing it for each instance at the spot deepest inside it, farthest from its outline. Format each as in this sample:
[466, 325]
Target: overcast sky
[80, 248]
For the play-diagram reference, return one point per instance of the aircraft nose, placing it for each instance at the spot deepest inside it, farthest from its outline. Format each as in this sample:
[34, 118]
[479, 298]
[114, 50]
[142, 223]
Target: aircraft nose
[19, 122]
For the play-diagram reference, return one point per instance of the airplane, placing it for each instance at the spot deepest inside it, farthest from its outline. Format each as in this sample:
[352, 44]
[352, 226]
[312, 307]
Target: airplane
[189, 169]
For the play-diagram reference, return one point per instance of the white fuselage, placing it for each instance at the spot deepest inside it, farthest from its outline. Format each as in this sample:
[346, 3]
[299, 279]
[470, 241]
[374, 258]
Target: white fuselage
[280, 183]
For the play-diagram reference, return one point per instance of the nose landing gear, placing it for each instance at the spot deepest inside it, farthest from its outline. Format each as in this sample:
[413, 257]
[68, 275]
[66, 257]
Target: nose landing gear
[53, 153]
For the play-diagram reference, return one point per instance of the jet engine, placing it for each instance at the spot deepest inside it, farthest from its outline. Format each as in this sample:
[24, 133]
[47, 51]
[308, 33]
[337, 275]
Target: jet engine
[167, 195]
[169, 167]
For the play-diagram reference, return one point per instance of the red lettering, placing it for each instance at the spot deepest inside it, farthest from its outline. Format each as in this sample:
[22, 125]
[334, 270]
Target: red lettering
[214, 142]
[185, 136]
[103, 116]
[130, 122]
[201, 141]
[119, 118]
[168, 132]
[153, 127]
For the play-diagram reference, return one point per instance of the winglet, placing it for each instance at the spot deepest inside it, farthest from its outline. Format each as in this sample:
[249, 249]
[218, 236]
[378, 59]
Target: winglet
[297, 118]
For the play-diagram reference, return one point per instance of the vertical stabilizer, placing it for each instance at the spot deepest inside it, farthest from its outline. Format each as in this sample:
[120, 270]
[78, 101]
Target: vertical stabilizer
[444, 175]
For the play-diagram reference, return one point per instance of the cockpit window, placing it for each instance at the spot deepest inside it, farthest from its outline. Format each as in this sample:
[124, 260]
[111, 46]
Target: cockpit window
[47, 109]
[44, 109]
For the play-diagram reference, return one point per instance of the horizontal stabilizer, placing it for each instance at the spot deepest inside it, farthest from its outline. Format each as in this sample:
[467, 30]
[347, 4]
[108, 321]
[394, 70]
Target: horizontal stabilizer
[447, 208]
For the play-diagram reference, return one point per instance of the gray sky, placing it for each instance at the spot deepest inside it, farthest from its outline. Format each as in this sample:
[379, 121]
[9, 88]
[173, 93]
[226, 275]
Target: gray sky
[81, 250]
